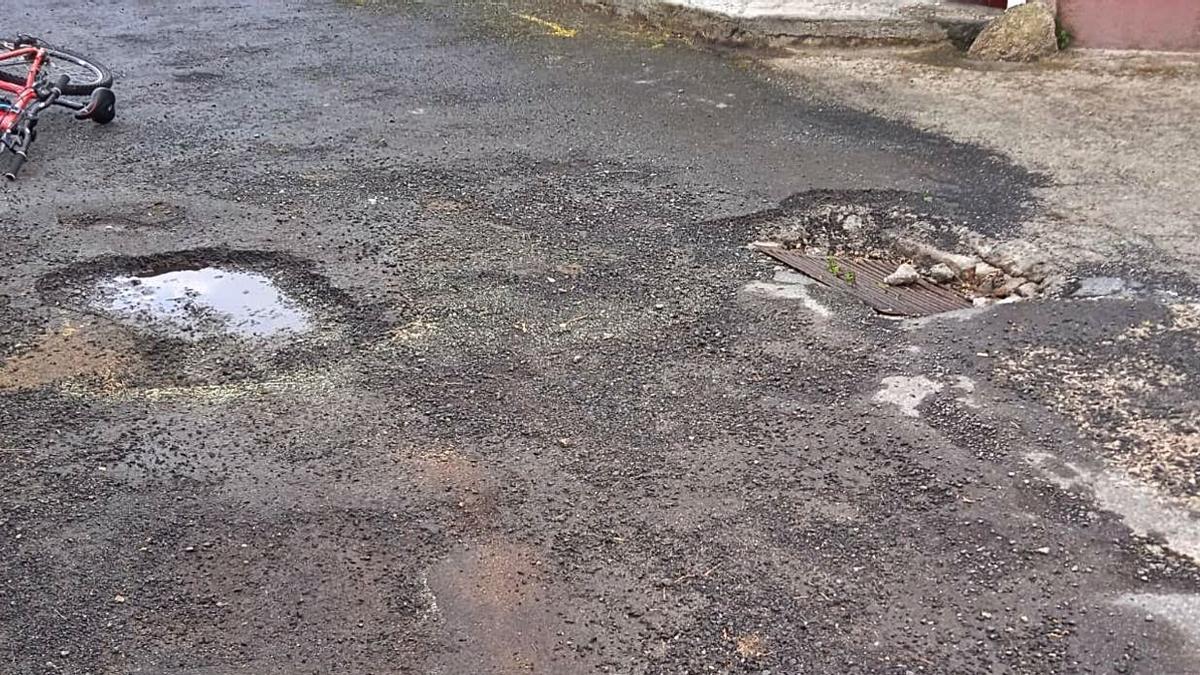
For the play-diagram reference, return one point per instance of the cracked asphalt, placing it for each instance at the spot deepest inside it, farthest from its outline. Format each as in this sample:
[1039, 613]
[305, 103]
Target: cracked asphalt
[551, 416]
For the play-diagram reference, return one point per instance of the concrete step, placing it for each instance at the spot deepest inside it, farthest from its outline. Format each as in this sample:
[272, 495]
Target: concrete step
[790, 21]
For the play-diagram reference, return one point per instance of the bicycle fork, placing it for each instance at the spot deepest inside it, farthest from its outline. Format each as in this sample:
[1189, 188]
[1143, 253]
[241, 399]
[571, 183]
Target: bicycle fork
[21, 121]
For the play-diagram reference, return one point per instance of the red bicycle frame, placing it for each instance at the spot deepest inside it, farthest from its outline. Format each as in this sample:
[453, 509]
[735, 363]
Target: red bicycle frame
[32, 94]
[24, 93]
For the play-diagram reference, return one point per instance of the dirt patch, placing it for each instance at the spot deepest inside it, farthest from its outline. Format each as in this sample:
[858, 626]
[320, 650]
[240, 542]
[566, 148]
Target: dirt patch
[196, 77]
[460, 481]
[496, 602]
[750, 646]
[1059, 118]
[446, 205]
[92, 351]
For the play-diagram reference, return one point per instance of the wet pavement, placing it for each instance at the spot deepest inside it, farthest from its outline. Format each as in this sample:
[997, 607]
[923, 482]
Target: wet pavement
[551, 415]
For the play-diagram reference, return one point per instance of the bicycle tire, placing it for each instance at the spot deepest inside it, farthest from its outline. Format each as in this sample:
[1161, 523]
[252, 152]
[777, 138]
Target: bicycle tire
[100, 76]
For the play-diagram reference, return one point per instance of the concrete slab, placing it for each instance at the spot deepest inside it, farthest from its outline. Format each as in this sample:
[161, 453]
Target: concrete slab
[793, 20]
[814, 10]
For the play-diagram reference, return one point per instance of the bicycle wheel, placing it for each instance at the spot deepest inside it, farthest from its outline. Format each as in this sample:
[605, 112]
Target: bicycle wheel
[86, 75]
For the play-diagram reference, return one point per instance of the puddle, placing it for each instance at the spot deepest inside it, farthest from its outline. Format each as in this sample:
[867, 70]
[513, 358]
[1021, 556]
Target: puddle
[194, 304]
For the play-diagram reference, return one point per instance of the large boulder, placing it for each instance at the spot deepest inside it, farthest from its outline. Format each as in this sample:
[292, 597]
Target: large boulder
[1023, 33]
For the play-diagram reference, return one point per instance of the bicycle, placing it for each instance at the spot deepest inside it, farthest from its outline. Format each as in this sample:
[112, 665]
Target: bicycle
[27, 65]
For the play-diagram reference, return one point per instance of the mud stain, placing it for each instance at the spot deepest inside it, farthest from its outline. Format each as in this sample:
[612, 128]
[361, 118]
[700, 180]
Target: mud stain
[69, 352]
[499, 610]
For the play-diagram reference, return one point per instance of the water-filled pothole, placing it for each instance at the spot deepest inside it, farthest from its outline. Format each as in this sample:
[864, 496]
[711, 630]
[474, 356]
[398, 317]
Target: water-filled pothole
[206, 320]
[206, 294]
[194, 304]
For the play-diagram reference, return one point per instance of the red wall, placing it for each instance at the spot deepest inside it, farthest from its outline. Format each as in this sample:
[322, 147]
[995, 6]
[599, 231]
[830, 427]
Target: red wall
[1133, 24]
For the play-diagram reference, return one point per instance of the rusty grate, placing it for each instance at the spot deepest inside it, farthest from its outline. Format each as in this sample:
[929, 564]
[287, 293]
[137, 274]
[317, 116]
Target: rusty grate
[919, 299]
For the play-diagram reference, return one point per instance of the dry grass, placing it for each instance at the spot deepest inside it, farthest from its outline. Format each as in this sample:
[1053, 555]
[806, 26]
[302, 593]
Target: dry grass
[1116, 401]
[749, 645]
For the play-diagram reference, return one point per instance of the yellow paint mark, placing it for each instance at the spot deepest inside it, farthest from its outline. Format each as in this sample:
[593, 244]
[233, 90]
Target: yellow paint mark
[555, 29]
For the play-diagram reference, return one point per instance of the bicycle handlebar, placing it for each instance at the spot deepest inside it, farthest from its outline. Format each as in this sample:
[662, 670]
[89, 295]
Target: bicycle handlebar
[51, 94]
[11, 162]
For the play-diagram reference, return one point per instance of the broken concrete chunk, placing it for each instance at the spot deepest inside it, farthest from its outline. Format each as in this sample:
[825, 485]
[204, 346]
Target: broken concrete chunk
[1017, 258]
[1027, 289]
[989, 285]
[1053, 284]
[1023, 33]
[957, 262]
[1008, 287]
[942, 273]
[924, 253]
[904, 275]
[984, 270]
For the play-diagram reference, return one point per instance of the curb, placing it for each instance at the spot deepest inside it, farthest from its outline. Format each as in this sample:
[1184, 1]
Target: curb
[958, 24]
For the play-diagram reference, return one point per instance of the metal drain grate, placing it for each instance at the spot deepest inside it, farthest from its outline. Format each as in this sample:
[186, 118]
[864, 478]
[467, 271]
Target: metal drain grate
[919, 299]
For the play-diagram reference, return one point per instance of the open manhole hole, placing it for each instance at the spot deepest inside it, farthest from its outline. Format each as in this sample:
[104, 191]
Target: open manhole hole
[895, 259]
[193, 304]
[866, 280]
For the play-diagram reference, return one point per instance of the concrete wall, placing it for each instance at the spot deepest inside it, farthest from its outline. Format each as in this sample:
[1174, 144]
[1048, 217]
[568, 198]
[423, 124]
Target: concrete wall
[1133, 24]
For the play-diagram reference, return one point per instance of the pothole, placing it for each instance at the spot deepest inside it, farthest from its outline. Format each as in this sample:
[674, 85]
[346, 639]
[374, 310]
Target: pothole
[209, 323]
[202, 294]
[194, 304]
[155, 215]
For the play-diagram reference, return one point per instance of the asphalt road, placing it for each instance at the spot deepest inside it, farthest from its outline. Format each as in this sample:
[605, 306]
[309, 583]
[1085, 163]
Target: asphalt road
[527, 411]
